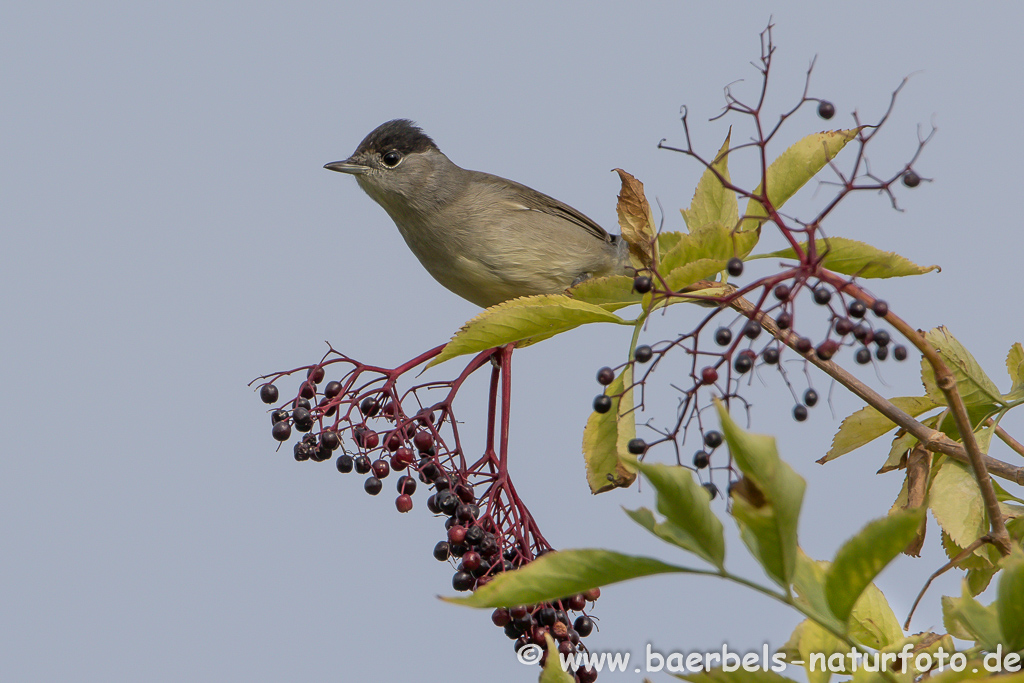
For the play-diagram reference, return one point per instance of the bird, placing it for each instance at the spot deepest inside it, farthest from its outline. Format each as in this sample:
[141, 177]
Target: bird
[483, 237]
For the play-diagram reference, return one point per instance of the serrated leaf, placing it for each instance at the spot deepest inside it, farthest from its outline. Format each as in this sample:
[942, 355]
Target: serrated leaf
[859, 259]
[955, 500]
[1010, 601]
[975, 387]
[561, 573]
[792, 169]
[712, 201]
[610, 293]
[971, 617]
[1015, 366]
[861, 558]
[695, 271]
[636, 221]
[553, 671]
[668, 240]
[686, 505]
[711, 241]
[867, 424]
[768, 523]
[872, 621]
[521, 319]
[741, 675]
[606, 436]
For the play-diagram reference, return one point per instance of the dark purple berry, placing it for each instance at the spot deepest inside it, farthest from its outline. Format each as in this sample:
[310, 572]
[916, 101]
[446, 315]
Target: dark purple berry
[269, 393]
[602, 403]
[441, 553]
[546, 616]
[743, 363]
[751, 330]
[282, 431]
[636, 446]
[804, 345]
[713, 439]
[701, 459]
[784, 320]
[900, 352]
[856, 309]
[843, 326]
[500, 617]
[880, 308]
[881, 337]
[642, 284]
[406, 485]
[822, 296]
[381, 468]
[303, 420]
[344, 464]
[404, 503]
[362, 464]
[583, 625]
[307, 390]
[605, 376]
[863, 356]
[771, 355]
[463, 581]
[332, 389]
[330, 440]
[826, 109]
[827, 349]
[782, 292]
[643, 354]
[315, 374]
[799, 413]
[810, 398]
[708, 375]
[278, 416]
[370, 406]
[882, 352]
[911, 179]
[723, 335]
[735, 266]
[711, 488]
[372, 485]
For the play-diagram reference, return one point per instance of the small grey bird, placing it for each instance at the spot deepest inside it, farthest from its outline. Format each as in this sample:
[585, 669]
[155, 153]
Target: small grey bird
[483, 237]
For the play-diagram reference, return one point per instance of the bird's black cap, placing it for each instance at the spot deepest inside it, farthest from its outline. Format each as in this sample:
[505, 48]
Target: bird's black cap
[401, 134]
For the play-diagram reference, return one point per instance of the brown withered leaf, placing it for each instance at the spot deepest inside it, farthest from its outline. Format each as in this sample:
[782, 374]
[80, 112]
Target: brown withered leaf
[636, 221]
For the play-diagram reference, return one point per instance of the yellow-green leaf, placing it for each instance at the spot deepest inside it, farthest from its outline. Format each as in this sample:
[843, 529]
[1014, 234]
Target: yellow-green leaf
[686, 505]
[956, 502]
[606, 436]
[636, 221]
[712, 201]
[610, 293]
[975, 387]
[768, 520]
[1015, 366]
[1010, 601]
[867, 424]
[872, 621]
[527, 318]
[553, 671]
[861, 558]
[792, 169]
[851, 257]
[561, 573]
[809, 582]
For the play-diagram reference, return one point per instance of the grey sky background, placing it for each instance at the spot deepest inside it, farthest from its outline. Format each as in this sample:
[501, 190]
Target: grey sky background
[169, 234]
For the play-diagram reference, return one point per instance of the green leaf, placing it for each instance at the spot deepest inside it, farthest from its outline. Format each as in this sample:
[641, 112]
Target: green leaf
[861, 558]
[712, 202]
[741, 675]
[695, 271]
[809, 582]
[975, 387]
[872, 621]
[1010, 601]
[867, 424]
[792, 169]
[955, 500]
[606, 436]
[686, 506]
[970, 616]
[859, 259]
[521, 319]
[712, 241]
[807, 644]
[1015, 366]
[668, 240]
[610, 293]
[561, 573]
[767, 507]
[553, 671]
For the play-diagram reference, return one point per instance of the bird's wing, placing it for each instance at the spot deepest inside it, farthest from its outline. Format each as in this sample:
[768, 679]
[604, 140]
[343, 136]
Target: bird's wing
[529, 199]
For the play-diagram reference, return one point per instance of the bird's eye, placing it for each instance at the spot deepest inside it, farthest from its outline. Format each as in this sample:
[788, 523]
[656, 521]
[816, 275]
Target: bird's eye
[391, 158]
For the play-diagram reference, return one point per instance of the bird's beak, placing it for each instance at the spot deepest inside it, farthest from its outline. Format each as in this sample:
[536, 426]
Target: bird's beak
[347, 166]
